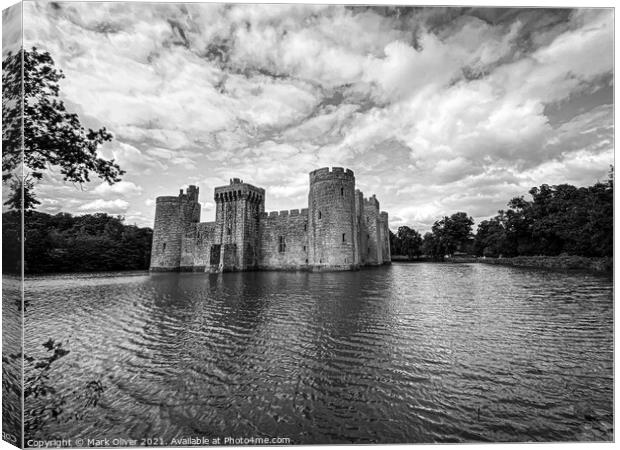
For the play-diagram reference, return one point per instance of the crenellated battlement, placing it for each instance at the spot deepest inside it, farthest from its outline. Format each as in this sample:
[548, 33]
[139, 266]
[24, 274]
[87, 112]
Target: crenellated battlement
[188, 195]
[167, 199]
[238, 190]
[383, 216]
[325, 173]
[192, 193]
[284, 213]
[372, 201]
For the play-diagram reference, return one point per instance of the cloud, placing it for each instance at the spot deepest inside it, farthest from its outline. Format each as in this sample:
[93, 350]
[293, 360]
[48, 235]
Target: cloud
[11, 29]
[130, 157]
[117, 206]
[178, 157]
[435, 109]
[122, 187]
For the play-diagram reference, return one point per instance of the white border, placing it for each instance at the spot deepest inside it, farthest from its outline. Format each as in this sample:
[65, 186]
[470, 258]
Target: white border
[532, 3]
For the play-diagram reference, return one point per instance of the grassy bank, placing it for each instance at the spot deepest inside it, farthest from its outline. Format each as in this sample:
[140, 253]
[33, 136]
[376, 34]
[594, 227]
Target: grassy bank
[562, 262]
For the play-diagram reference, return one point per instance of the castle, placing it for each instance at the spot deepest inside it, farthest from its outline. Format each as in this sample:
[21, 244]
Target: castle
[340, 229]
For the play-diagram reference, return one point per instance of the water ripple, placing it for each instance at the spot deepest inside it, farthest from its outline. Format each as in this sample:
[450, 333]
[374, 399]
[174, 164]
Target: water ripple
[407, 353]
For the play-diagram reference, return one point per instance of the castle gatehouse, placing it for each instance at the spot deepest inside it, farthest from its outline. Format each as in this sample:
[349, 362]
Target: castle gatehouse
[339, 230]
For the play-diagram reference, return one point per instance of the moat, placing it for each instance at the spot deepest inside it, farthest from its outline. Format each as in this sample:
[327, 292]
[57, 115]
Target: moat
[400, 353]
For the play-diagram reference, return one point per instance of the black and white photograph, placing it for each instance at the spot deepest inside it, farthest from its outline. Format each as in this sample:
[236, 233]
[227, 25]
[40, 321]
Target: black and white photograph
[253, 224]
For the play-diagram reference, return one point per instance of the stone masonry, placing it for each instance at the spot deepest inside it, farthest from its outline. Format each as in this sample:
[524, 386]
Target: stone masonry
[340, 229]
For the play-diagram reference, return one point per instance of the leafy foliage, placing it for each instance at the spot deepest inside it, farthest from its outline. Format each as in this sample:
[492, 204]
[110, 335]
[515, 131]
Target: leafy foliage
[45, 402]
[52, 136]
[406, 242]
[451, 233]
[560, 219]
[63, 243]
[21, 195]
[448, 235]
[11, 242]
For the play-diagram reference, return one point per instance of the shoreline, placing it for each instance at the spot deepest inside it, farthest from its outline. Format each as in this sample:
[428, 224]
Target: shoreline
[596, 265]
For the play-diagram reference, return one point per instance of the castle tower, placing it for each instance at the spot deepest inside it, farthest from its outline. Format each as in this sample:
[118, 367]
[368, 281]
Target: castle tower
[374, 231]
[386, 253]
[362, 229]
[173, 216]
[332, 223]
[238, 208]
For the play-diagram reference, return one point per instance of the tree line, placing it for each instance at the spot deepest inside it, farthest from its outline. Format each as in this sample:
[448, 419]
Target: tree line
[561, 219]
[38, 134]
[448, 236]
[66, 243]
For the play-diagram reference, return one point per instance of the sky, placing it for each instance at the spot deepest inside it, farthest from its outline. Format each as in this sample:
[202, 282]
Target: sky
[436, 110]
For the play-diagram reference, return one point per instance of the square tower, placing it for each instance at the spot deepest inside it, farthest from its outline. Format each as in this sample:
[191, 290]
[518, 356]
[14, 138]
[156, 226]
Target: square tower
[238, 208]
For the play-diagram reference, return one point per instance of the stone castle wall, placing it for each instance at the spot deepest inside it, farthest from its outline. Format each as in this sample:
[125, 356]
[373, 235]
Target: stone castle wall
[196, 246]
[284, 240]
[340, 230]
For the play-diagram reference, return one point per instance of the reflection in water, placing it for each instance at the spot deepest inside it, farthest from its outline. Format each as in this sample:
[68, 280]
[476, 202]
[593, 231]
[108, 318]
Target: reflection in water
[407, 353]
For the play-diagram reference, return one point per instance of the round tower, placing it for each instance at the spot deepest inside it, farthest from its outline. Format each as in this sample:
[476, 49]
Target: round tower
[332, 225]
[173, 215]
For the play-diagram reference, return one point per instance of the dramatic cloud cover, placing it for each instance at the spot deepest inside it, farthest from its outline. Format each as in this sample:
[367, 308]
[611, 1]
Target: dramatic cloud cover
[437, 110]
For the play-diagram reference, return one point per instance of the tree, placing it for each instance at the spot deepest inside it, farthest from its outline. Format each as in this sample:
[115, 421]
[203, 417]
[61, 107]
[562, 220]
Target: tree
[394, 243]
[63, 243]
[52, 136]
[21, 194]
[410, 242]
[430, 246]
[558, 219]
[601, 217]
[490, 237]
[451, 233]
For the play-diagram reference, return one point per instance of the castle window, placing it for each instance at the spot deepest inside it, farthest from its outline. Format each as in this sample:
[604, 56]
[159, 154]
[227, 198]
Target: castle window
[281, 244]
[319, 214]
[305, 227]
[344, 237]
[163, 246]
[306, 260]
[304, 248]
[228, 231]
[367, 219]
[342, 192]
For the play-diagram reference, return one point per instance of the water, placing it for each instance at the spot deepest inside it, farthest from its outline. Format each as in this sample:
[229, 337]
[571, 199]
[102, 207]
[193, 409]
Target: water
[407, 353]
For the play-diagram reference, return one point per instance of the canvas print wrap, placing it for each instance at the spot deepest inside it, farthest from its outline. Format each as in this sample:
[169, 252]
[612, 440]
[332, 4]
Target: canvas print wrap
[261, 224]
[12, 310]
